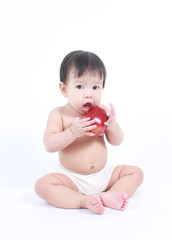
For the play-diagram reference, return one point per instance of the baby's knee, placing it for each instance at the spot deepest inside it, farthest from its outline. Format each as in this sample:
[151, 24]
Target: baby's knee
[41, 187]
[139, 174]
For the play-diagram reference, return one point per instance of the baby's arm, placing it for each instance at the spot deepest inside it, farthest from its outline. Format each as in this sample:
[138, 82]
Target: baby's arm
[114, 133]
[56, 138]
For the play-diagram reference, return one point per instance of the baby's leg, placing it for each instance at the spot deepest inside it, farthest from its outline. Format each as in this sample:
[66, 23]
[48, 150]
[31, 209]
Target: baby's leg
[124, 182]
[60, 191]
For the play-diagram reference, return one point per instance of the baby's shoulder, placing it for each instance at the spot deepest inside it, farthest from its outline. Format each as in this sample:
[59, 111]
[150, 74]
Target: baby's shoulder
[56, 113]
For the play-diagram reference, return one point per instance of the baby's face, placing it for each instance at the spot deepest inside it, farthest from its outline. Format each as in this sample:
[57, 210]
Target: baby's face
[84, 92]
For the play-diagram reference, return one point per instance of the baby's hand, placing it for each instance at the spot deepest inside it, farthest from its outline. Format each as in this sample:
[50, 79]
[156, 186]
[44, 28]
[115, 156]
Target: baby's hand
[82, 126]
[111, 122]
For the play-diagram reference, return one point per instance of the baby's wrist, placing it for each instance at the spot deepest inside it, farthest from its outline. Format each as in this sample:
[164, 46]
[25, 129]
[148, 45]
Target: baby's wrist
[70, 128]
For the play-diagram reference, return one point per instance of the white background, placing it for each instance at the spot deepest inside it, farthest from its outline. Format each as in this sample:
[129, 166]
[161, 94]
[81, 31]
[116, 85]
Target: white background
[133, 38]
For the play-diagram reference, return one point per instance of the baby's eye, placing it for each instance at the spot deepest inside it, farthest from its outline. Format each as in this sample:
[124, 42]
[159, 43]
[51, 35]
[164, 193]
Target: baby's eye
[96, 87]
[80, 86]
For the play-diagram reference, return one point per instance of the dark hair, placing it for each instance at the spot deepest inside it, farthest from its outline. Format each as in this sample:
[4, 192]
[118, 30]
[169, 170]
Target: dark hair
[81, 62]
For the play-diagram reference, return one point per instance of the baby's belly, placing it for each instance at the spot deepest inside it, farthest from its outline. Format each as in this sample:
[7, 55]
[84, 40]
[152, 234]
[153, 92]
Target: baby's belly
[85, 156]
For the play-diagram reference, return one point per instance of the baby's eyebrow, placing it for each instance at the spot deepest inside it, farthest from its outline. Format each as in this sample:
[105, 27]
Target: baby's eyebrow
[98, 83]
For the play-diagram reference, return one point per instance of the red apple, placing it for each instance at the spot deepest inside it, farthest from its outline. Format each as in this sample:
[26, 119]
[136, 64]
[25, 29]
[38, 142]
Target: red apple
[100, 116]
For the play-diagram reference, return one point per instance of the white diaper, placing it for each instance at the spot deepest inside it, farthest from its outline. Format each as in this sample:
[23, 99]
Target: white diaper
[91, 183]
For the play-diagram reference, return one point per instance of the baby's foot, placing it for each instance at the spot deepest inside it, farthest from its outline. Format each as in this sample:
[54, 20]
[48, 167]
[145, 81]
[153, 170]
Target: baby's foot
[94, 203]
[115, 200]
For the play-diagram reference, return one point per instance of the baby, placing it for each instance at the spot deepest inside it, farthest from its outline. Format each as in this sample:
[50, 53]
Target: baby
[84, 178]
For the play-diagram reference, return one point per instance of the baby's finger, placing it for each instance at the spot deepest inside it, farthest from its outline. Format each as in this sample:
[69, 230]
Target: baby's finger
[88, 123]
[109, 120]
[112, 109]
[83, 120]
[89, 128]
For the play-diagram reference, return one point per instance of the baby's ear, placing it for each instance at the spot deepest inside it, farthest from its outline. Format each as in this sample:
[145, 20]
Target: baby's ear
[63, 89]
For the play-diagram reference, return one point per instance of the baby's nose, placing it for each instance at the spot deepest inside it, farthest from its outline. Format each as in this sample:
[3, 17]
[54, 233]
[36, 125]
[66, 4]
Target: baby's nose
[88, 94]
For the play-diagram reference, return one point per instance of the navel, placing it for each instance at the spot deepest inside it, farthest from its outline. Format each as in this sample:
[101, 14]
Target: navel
[92, 167]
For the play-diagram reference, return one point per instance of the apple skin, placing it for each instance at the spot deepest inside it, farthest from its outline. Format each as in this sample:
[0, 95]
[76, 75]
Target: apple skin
[100, 116]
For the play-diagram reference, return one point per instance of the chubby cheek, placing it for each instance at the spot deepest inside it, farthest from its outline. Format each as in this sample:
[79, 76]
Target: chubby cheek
[97, 99]
[75, 101]
[73, 96]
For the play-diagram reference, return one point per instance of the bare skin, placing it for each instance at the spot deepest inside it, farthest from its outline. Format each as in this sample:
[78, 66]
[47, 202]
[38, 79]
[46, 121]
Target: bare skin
[60, 191]
[69, 134]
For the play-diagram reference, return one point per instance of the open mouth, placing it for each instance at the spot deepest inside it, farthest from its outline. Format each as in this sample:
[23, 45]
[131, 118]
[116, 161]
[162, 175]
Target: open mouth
[87, 106]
